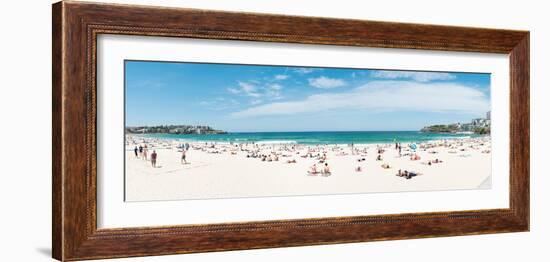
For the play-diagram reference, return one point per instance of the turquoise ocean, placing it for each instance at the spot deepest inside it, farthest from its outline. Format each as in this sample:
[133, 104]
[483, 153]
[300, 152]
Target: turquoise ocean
[313, 138]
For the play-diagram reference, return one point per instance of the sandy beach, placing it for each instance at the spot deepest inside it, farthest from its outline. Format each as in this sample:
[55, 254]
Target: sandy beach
[224, 170]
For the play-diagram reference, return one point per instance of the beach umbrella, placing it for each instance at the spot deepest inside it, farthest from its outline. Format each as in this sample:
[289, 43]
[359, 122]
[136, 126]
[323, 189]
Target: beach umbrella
[413, 146]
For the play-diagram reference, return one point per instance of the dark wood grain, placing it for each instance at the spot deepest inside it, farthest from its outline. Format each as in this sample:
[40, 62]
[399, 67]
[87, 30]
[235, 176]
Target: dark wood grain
[76, 26]
[57, 190]
[519, 129]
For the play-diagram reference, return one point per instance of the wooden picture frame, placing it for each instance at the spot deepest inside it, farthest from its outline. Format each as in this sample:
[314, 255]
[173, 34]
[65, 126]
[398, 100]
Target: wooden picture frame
[76, 26]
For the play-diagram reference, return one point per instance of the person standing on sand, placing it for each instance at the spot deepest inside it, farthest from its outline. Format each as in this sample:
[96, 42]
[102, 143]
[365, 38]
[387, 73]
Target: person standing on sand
[136, 151]
[145, 152]
[399, 150]
[183, 155]
[140, 150]
[154, 159]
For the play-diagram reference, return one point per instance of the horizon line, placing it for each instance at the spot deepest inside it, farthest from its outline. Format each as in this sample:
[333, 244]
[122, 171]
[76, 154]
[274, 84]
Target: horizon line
[297, 131]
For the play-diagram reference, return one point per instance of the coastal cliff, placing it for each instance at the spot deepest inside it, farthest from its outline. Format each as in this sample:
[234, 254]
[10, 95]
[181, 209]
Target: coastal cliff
[174, 129]
[480, 126]
[454, 128]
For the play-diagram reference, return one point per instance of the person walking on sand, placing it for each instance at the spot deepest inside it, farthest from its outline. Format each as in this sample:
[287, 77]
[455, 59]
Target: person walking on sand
[399, 150]
[183, 156]
[136, 151]
[186, 146]
[145, 152]
[154, 159]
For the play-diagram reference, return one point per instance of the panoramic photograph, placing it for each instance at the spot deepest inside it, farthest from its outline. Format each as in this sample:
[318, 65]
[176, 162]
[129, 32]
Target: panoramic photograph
[211, 131]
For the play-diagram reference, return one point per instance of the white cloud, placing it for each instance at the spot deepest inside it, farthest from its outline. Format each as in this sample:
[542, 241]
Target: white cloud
[247, 89]
[234, 90]
[304, 70]
[281, 77]
[384, 95]
[275, 87]
[269, 91]
[273, 91]
[416, 76]
[325, 82]
[256, 101]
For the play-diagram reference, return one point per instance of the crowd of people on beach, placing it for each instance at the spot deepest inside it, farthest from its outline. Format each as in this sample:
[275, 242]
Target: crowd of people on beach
[142, 152]
[317, 154]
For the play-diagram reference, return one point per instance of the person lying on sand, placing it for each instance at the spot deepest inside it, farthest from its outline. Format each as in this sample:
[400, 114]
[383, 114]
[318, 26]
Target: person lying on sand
[385, 166]
[293, 161]
[415, 157]
[399, 173]
[379, 158]
[411, 174]
[406, 174]
[430, 162]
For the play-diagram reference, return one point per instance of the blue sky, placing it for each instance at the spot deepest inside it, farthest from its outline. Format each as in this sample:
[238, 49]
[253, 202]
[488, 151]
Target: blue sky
[257, 98]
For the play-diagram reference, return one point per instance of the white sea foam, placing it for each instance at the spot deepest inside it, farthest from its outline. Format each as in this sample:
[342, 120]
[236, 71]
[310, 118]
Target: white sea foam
[276, 142]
